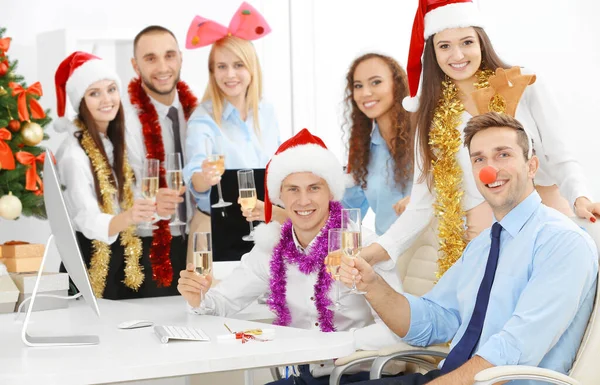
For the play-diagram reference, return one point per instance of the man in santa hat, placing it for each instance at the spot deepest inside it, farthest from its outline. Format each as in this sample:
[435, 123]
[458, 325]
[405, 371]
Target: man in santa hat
[288, 260]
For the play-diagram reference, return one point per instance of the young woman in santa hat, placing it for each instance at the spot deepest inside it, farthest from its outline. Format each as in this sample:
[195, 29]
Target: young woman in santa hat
[94, 170]
[381, 139]
[233, 119]
[451, 48]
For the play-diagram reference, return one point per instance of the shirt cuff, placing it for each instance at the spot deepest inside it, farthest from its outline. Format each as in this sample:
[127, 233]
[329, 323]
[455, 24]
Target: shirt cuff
[385, 265]
[103, 222]
[388, 243]
[500, 350]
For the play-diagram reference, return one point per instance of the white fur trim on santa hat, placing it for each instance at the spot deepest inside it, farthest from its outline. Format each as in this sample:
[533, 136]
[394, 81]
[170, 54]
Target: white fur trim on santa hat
[87, 74]
[458, 15]
[411, 104]
[267, 235]
[62, 124]
[349, 180]
[305, 158]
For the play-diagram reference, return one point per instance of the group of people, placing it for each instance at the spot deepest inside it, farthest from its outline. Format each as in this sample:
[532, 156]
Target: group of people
[456, 140]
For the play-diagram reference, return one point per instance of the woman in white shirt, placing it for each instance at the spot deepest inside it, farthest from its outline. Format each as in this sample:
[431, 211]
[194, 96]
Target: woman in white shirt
[97, 178]
[457, 59]
[232, 120]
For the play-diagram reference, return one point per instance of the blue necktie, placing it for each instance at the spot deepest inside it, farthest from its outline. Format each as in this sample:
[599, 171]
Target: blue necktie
[464, 349]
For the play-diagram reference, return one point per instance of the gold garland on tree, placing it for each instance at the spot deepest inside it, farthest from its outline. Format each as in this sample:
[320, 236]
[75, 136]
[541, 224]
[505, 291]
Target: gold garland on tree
[132, 244]
[445, 140]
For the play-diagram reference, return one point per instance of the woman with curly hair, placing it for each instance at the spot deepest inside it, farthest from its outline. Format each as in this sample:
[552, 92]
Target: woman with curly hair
[381, 139]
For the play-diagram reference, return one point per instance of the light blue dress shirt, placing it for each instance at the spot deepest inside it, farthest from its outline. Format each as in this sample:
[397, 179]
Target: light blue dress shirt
[382, 191]
[242, 147]
[541, 298]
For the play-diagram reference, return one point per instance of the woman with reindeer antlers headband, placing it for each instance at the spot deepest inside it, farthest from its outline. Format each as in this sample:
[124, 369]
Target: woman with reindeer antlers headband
[451, 48]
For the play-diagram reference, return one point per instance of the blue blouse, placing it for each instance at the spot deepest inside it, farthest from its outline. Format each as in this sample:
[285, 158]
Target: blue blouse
[382, 191]
[242, 147]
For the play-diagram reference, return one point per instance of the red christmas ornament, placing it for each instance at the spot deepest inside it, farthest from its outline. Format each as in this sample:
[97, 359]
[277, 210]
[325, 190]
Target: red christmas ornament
[488, 175]
[14, 125]
[3, 68]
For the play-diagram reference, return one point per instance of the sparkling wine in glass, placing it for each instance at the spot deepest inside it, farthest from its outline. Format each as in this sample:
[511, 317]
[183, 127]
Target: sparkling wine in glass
[334, 259]
[247, 197]
[352, 237]
[202, 246]
[174, 176]
[216, 159]
[149, 185]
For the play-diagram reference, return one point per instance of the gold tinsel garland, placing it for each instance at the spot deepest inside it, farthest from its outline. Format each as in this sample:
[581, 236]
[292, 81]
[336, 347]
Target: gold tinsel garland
[445, 140]
[132, 244]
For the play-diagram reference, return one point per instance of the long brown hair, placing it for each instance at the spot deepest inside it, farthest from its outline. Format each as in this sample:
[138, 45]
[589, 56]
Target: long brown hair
[431, 90]
[361, 126]
[116, 134]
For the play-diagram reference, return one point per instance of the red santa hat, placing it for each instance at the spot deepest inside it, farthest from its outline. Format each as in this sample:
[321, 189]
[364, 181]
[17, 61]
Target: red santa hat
[73, 77]
[434, 16]
[302, 153]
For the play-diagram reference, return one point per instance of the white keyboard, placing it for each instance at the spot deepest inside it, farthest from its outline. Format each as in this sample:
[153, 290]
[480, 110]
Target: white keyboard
[166, 333]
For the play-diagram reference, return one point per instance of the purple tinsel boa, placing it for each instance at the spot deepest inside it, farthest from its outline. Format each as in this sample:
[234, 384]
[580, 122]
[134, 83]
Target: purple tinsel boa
[286, 252]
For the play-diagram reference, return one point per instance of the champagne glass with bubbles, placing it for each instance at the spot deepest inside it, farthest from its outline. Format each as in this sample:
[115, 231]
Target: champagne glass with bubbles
[175, 180]
[334, 259]
[203, 260]
[352, 237]
[247, 197]
[150, 185]
[216, 159]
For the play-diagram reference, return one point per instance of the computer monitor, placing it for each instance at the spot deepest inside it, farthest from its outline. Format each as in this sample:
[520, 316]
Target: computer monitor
[64, 239]
[64, 234]
[228, 224]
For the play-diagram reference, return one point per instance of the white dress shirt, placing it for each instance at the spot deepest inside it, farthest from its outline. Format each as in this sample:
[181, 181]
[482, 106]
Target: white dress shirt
[538, 113]
[251, 279]
[74, 168]
[136, 147]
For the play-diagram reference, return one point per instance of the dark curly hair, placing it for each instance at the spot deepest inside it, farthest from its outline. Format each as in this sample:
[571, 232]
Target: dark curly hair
[360, 126]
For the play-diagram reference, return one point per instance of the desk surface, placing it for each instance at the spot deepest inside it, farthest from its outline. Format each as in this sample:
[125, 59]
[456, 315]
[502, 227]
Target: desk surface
[126, 355]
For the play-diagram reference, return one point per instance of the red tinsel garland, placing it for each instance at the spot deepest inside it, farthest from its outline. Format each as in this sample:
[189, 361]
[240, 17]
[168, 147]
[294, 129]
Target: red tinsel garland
[162, 270]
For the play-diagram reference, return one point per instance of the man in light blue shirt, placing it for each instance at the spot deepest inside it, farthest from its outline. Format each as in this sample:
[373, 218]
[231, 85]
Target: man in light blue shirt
[528, 304]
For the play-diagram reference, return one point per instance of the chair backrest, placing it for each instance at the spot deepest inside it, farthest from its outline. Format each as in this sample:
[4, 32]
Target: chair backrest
[417, 267]
[585, 368]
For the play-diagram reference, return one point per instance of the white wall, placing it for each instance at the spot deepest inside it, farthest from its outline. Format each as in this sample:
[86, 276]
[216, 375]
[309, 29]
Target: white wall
[313, 42]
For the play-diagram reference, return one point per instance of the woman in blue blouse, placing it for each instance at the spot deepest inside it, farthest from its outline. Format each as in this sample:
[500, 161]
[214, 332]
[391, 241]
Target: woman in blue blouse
[232, 114]
[381, 139]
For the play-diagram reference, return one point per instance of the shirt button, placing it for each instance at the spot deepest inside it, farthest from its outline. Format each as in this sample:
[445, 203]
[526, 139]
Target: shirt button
[312, 298]
[322, 365]
[316, 324]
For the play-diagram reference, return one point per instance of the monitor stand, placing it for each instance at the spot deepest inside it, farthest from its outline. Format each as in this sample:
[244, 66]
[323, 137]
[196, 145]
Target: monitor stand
[71, 340]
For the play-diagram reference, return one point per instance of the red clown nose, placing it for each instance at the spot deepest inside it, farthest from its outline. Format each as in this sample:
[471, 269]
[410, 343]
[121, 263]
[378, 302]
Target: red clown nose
[488, 174]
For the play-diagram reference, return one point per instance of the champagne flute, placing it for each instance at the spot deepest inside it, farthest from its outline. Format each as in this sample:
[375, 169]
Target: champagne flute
[351, 237]
[175, 180]
[334, 259]
[202, 246]
[216, 158]
[149, 186]
[247, 197]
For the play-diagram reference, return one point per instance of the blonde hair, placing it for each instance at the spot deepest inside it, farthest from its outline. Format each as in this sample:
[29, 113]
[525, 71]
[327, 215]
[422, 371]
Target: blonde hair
[247, 54]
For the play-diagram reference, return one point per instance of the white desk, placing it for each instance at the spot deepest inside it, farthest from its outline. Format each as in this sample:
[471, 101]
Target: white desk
[127, 355]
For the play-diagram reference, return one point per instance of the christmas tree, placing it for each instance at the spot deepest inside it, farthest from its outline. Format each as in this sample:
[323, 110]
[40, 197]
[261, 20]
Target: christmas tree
[21, 131]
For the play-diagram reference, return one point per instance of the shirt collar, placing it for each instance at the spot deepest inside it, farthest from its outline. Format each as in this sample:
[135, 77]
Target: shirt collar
[303, 250]
[376, 137]
[161, 109]
[228, 109]
[514, 221]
